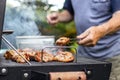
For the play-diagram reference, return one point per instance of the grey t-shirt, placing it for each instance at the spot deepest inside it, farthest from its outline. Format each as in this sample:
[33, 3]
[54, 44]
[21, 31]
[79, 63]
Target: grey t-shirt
[89, 13]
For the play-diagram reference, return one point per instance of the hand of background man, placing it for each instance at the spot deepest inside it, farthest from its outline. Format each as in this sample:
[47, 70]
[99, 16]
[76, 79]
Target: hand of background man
[52, 18]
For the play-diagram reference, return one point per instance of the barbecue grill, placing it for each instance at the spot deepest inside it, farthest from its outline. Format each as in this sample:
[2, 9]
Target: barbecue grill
[81, 69]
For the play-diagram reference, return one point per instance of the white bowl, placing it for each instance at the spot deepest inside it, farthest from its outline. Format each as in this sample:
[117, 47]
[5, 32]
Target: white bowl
[35, 42]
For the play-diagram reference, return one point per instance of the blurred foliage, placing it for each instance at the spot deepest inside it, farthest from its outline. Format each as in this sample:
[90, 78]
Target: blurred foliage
[60, 29]
[41, 7]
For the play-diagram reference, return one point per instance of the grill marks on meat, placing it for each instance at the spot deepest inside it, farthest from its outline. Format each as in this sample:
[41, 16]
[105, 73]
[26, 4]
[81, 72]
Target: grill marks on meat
[64, 56]
[19, 59]
[38, 56]
[12, 55]
[47, 57]
[62, 41]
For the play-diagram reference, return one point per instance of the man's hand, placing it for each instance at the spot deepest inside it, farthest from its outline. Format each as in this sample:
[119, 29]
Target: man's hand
[56, 17]
[52, 18]
[91, 36]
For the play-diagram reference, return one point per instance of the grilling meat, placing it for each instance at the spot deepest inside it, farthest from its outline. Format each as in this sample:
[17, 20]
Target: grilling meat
[62, 41]
[46, 57]
[19, 59]
[38, 56]
[10, 54]
[61, 56]
[30, 52]
[64, 56]
[29, 55]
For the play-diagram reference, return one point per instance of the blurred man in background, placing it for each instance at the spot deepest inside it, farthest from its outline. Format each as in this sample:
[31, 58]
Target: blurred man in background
[97, 24]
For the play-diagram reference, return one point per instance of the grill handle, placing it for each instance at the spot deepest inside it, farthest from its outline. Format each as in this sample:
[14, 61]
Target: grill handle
[68, 75]
[77, 75]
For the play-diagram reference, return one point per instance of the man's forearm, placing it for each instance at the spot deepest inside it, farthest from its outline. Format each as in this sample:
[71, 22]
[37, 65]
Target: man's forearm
[112, 25]
[65, 16]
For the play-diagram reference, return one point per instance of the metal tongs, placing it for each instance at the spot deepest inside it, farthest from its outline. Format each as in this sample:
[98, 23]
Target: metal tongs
[11, 46]
[74, 39]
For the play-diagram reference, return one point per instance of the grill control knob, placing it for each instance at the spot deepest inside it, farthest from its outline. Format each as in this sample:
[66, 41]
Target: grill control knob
[3, 70]
[26, 75]
[88, 72]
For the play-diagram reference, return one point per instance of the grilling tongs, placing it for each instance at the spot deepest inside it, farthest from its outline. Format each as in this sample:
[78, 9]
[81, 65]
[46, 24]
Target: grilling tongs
[74, 39]
[11, 46]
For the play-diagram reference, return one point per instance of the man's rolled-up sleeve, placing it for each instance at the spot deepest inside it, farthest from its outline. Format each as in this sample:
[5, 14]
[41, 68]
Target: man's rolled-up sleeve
[68, 6]
[115, 4]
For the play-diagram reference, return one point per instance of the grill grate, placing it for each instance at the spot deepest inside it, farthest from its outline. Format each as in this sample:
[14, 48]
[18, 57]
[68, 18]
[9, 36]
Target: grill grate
[80, 61]
[95, 70]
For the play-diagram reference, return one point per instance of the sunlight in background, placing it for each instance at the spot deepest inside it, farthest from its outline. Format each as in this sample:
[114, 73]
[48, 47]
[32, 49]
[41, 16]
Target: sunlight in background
[13, 3]
[58, 4]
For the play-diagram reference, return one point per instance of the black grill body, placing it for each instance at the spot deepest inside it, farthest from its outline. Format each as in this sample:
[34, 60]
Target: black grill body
[95, 70]
[9, 70]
